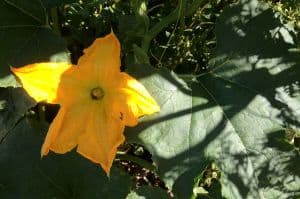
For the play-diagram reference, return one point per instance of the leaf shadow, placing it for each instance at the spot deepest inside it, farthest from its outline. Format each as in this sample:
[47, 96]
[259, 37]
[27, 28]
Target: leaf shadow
[263, 66]
[240, 24]
[283, 167]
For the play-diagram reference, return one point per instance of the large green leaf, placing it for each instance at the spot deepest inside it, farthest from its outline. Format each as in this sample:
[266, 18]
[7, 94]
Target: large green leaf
[234, 114]
[56, 3]
[25, 175]
[14, 103]
[26, 37]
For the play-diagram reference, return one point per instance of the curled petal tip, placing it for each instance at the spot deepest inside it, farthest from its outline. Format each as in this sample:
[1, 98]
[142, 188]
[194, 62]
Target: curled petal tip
[16, 70]
[111, 31]
[12, 68]
[106, 170]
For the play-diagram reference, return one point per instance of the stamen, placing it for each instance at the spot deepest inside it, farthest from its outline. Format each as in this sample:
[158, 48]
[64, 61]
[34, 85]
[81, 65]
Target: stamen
[97, 93]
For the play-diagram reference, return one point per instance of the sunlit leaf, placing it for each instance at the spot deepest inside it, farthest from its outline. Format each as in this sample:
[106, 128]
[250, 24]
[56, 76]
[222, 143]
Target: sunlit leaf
[230, 114]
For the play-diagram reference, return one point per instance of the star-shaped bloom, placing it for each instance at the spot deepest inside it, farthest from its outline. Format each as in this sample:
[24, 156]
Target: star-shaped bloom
[96, 101]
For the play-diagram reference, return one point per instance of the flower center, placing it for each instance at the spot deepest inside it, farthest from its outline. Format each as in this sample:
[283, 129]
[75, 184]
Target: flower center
[97, 93]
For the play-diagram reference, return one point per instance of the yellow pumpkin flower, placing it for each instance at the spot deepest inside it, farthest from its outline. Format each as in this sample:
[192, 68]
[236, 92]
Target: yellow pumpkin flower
[96, 101]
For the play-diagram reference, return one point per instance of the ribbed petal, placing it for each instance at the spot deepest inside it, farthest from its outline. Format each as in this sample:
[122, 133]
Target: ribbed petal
[102, 137]
[66, 128]
[53, 131]
[41, 80]
[74, 88]
[131, 100]
[101, 61]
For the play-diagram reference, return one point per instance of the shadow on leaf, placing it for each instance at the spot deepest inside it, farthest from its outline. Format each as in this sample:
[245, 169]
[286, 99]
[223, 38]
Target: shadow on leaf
[229, 114]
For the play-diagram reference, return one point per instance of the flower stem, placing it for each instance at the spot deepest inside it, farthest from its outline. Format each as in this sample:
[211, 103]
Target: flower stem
[180, 11]
[55, 21]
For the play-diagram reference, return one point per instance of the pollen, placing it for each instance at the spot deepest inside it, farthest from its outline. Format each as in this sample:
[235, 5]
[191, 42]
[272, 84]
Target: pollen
[97, 93]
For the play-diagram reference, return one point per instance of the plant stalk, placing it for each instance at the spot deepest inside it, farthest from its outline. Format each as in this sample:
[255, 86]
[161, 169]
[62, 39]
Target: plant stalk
[181, 11]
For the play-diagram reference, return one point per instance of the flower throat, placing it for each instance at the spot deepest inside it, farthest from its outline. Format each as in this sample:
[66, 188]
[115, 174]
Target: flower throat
[97, 93]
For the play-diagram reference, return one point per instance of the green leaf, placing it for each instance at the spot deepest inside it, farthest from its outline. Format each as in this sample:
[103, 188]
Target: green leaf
[55, 3]
[140, 55]
[147, 192]
[132, 28]
[26, 38]
[232, 114]
[25, 175]
[14, 103]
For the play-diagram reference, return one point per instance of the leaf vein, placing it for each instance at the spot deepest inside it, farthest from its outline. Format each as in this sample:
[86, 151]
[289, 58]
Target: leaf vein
[236, 83]
[23, 11]
[19, 26]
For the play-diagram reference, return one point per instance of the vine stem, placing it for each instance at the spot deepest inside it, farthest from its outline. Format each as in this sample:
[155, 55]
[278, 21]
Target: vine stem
[55, 20]
[180, 11]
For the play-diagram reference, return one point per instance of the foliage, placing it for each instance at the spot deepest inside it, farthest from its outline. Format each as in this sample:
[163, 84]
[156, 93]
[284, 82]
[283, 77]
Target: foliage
[290, 10]
[229, 120]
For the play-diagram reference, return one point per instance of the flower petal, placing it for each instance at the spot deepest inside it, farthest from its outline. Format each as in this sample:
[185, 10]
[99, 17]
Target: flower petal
[132, 100]
[66, 128]
[102, 137]
[74, 88]
[41, 80]
[53, 131]
[101, 61]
